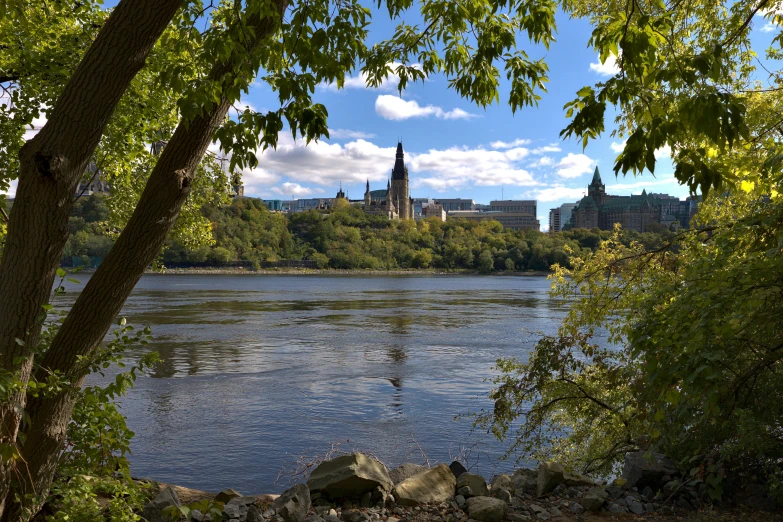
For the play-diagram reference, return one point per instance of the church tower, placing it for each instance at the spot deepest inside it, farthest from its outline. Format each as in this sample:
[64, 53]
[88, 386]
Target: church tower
[399, 186]
[596, 189]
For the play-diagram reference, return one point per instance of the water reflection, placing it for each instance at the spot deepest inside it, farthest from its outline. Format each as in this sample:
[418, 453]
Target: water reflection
[258, 369]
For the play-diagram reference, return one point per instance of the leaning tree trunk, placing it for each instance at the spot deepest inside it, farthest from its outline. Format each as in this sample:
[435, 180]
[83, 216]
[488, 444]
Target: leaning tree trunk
[50, 167]
[111, 284]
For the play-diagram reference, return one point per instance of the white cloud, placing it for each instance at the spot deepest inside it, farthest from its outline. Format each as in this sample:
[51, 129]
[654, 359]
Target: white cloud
[556, 193]
[395, 108]
[769, 27]
[509, 144]
[638, 186]
[574, 165]
[543, 161]
[552, 147]
[663, 152]
[12, 189]
[607, 68]
[295, 190]
[456, 167]
[339, 134]
[391, 82]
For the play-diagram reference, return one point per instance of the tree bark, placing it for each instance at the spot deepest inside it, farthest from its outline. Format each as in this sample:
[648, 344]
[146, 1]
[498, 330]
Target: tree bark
[104, 295]
[50, 167]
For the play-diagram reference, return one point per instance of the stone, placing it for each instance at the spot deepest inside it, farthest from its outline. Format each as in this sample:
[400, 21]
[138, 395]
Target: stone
[352, 515]
[349, 476]
[555, 512]
[550, 475]
[647, 492]
[226, 495]
[576, 480]
[476, 483]
[243, 501]
[293, 504]
[461, 502]
[535, 508]
[517, 517]
[487, 509]
[649, 507]
[615, 508]
[502, 481]
[332, 518]
[615, 492]
[543, 516]
[524, 481]
[457, 469]
[642, 469]
[635, 507]
[153, 511]
[232, 511]
[501, 494]
[465, 491]
[314, 518]
[576, 508]
[405, 471]
[594, 499]
[434, 485]
[683, 504]
[254, 515]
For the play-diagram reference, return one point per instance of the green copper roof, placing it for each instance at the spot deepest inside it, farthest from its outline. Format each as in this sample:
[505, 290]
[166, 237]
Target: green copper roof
[596, 177]
[378, 194]
[585, 203]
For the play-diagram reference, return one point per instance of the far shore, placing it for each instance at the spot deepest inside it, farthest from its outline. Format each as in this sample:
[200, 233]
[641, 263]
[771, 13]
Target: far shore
[339, 272]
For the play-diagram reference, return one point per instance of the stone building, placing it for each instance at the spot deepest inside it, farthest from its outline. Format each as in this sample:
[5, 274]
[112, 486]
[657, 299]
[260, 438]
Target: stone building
[601, 210]
[394, 202]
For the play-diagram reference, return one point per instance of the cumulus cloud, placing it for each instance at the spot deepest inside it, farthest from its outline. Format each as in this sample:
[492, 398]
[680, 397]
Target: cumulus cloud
[638, 186]
[574, 165]
[769, 27]
[509, 144]
[456, 167]
[607, 68]
[340, 134]
[556, 193]
[552, 147]
[295, 190]
[395, 108]
[543, 161]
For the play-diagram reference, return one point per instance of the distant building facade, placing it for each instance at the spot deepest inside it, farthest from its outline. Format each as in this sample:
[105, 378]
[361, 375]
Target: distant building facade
[450, 205]
[434, 210]
[394, 202]
[513, 205]
[601, 210]
[554, 220]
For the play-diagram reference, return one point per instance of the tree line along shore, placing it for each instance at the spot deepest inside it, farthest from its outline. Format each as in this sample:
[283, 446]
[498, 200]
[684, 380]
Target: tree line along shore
[247, 236]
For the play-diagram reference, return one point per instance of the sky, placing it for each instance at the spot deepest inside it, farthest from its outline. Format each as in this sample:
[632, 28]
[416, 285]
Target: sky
[454, 149]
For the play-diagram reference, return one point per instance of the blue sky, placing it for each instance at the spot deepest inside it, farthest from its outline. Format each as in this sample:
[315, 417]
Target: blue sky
[454, 148]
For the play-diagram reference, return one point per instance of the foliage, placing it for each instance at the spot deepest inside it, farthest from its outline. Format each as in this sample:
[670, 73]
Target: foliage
[688, 357]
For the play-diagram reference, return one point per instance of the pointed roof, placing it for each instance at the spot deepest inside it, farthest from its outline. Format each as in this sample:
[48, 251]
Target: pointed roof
[596, 178]
[399, 171]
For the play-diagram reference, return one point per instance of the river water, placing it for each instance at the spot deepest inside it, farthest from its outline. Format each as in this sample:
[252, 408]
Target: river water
[258, 370]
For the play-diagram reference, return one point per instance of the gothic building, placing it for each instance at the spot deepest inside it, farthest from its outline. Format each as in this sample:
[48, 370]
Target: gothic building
[394, 202]
[601, 210]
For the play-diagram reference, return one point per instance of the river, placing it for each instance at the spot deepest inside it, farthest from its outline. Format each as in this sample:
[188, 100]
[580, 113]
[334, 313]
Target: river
[259, 370]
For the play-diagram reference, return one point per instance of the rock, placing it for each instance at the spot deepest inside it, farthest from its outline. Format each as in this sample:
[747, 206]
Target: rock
[461, 502]
[487, 509]
[332, 518]
[615, 492]
[153, 511]
[465, 491]
[550, 475]
[476, 483]
[524, 481]
[576, 480]
[226, 495]
[615, 508]
[647, 493]
[405, 471]
[434, 485]
[517, 517]
[649, 507]
[635, 507]
[254, 515]
[594, 499]
[576, 508]
[457, 469]
[314, 518]
[294, 504]
[353, 515]
[641, 472]
[683, 504]
[243, 501]
[502, 481]
[501, 494]
[349, 476]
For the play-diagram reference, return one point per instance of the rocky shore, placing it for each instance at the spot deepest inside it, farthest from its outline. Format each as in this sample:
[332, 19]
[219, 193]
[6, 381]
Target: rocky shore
[358, 488]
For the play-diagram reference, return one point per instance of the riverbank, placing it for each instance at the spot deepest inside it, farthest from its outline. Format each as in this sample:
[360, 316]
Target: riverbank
[342, 272]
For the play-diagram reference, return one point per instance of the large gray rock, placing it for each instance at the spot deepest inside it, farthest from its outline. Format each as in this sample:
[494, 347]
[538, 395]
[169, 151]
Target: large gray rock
[525, 481]
[487, 509]
[226, 495]
[643, 469]
[501, 481]
[476, 485]
[294, 504]
[254, 515]
[594, 499]
[550, 475]
[153, 511]
[434, 485]
[349, 476]
[405, 471]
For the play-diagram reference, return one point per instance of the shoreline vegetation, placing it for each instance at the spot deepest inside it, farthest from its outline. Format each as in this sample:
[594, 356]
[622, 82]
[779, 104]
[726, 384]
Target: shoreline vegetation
[340, 272]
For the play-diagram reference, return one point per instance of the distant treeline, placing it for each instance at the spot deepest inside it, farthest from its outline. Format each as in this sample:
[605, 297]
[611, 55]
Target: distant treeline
[346, 237]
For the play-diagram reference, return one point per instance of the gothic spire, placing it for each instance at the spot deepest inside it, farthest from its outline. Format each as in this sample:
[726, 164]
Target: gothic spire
[399, 171]
[596, 178]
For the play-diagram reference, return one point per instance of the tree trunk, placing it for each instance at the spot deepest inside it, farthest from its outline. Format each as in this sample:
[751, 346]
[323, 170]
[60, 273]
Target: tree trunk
[104, 295]
[50, 167]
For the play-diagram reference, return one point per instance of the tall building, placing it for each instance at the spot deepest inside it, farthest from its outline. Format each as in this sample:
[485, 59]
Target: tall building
[566, 209]
[395, 201]
[514, 205]
[450, 205]
[554, 220]
[601, 210]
